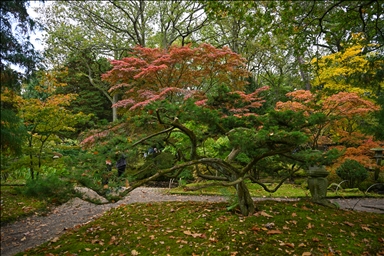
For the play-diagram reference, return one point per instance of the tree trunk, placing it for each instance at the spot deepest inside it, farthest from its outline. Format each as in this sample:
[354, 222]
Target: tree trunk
[303, 73]
[246, 204]
[114, 109]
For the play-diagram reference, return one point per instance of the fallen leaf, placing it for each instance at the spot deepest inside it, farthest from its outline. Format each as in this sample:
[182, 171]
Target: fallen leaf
[291, 245]
[309, 218]
[365, 228]
[274, 232]
[54, 240]
[134, 253]
[87, 249]
[349, 223]
[194, 235]
[306, 254]
[263, 213]
[294, 214]
[23, 239]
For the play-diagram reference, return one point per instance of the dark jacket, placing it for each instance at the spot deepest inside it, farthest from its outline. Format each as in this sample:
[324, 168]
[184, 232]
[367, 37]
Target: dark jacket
[121, 162]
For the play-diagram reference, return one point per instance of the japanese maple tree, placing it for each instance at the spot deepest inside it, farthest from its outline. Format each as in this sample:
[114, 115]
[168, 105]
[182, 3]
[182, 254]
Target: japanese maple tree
[196, 96]
[341, 115]
[45, 118]
[150, 75]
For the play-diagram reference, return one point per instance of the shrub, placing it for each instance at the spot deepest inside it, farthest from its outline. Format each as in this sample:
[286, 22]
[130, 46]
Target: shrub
[353, 172]
[50, 188]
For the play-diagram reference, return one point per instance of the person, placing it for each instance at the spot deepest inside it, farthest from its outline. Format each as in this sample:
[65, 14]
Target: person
[108, 171]
[121, 164]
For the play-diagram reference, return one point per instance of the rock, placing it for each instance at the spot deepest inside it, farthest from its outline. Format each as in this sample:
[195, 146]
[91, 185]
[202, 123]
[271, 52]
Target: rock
[89, 194]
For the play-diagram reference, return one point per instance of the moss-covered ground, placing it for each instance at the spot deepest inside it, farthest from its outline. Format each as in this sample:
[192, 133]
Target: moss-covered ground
[191, 228]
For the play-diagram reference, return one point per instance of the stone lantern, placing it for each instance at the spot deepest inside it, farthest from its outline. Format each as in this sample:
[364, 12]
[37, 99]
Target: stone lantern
[378, 155]
[317, 182]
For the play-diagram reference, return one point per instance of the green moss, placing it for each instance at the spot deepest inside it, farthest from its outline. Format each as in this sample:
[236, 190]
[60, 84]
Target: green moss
[187, 228]
[15, 205]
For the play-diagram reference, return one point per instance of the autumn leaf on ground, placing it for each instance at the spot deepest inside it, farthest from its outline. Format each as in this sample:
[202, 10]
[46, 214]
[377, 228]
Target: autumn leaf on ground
[263, 213]
[194, 235]
[349, 223]
[255, 228]
[291, 245]
[365, 228]
[274, 232]
[134, 253]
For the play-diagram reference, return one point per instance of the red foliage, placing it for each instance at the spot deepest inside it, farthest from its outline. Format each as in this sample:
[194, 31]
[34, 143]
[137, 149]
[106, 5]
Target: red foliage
[342, 111]
[150, 75]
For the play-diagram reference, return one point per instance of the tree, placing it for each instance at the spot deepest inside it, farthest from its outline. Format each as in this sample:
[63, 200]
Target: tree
[155, 74]
[341, 117]
[340, 113]
[91, 31]
[252, 29]
[45, 118]
[354, 69]
[307, 28]
[195, 96]
[17, 50]
[89, 100]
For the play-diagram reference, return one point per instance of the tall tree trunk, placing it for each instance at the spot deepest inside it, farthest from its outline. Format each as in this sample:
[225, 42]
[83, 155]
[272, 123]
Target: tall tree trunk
[114, 109]
[303, 74]
[247, 207]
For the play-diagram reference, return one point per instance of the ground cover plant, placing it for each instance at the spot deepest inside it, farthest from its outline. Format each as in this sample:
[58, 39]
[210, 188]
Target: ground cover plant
[285, 191]
[34, 197]
[15, 205]
[191, 228]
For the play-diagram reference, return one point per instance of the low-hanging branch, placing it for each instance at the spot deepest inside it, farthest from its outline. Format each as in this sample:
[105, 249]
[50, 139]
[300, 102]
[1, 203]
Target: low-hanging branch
[218, 183]
[153, 135]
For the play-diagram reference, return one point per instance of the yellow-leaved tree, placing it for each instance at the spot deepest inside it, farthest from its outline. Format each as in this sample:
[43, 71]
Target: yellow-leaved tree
[358, 68]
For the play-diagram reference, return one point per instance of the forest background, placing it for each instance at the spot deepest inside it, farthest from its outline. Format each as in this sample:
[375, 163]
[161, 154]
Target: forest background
[229, 91]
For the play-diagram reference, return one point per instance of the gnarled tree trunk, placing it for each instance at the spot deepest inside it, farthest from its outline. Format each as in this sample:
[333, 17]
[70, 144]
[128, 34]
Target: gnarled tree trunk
[246, 204]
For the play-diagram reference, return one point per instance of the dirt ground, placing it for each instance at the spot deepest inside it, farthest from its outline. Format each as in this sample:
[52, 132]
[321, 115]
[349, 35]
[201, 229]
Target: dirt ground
[35, 230]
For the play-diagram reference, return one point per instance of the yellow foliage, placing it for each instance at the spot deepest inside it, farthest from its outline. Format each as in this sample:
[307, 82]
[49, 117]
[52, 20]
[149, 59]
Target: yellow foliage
[349, 70]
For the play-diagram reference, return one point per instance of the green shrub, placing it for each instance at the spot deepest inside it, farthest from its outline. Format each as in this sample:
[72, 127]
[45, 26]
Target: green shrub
[50, 188]
[353, 172]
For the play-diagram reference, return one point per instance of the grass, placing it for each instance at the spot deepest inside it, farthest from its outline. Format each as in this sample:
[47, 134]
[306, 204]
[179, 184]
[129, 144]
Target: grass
[14, 205]
[285, 191]
[191, 228]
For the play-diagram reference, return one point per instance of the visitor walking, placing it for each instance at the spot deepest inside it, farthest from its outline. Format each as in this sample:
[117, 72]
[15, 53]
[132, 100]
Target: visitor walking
[121, 165]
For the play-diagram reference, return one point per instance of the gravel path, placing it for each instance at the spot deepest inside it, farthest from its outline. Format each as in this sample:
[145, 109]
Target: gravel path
[35, 230]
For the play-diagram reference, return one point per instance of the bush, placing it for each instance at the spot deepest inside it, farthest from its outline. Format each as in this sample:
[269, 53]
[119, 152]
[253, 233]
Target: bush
[50, 188]
[353, 172]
